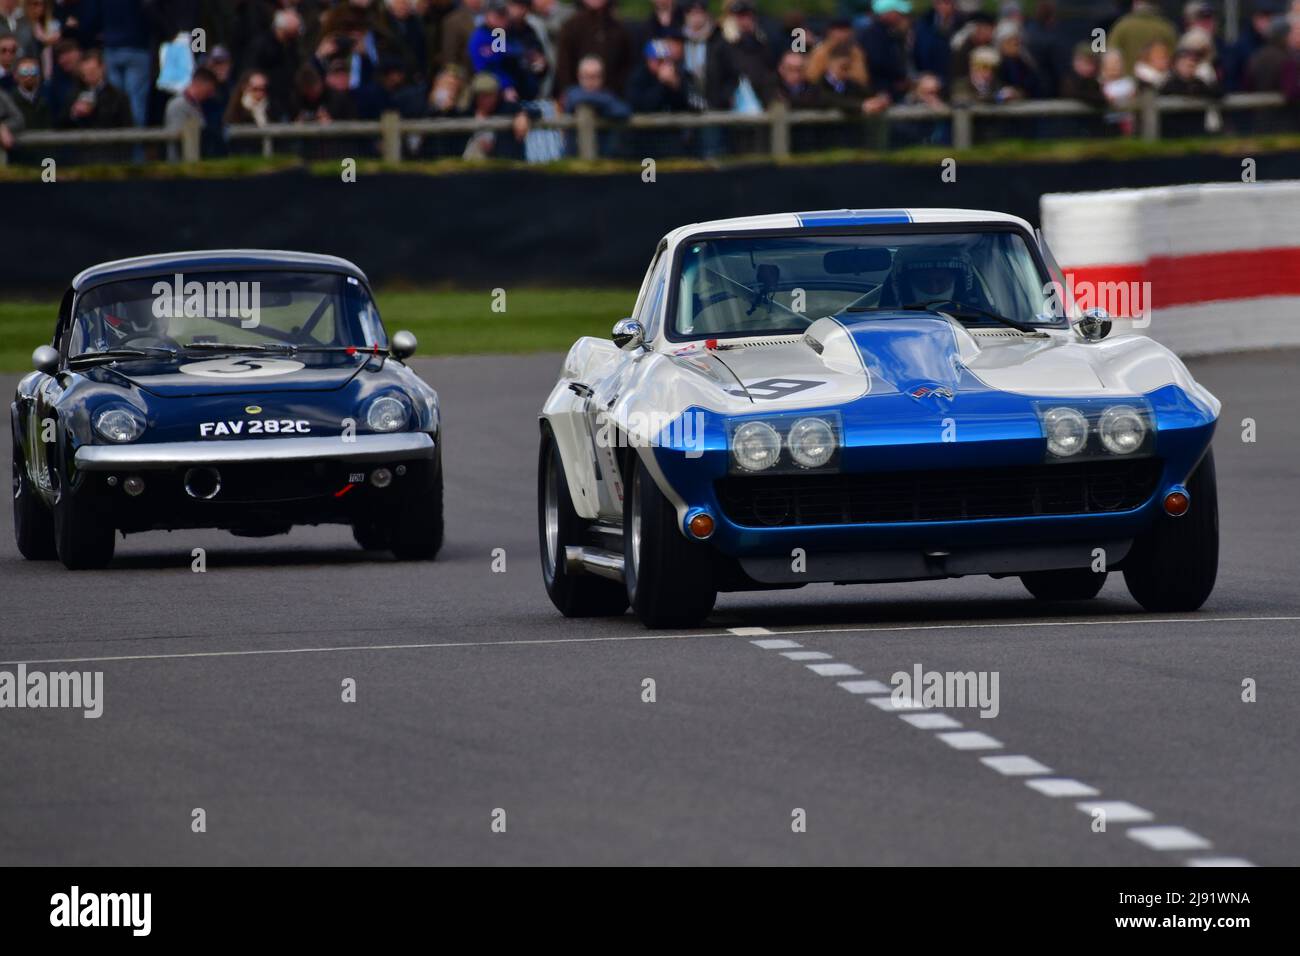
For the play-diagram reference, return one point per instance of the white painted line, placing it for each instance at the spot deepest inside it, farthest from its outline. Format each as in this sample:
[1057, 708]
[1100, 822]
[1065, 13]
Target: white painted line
[806, 655]
[834, 670]
[896, 703]
[930, 721]
[1123, 621]
[864, 687]
[1168, 838]
[1062, 787]
[775, 643]
[1219, 861]
[748, 631]
[1117, 811]
[969, 740]
[1015, 766]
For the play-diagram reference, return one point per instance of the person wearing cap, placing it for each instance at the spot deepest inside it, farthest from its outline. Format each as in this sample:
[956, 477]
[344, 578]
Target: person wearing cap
[839, 36]
[486, 101]
[1138, 29]
[594, 29]
[660, 84]
[1083, 82]
[980, 84]
[976, 32]
[1252, 39]
[932, 44]
[885, 41]
[1016, 71]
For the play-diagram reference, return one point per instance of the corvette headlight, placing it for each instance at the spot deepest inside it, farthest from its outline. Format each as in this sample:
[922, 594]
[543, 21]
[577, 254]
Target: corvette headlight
[387, 413]
[1066, 430]
[812, 442]
[755, 446]
[119, 423]
[1123, 429]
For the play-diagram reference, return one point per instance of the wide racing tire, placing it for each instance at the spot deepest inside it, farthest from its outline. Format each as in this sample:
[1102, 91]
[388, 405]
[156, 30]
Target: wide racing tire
[417, 529]
[670, 580]
[1173, 566]
[33, 522]
[1071, 584]
[558, 526]
[82, 537]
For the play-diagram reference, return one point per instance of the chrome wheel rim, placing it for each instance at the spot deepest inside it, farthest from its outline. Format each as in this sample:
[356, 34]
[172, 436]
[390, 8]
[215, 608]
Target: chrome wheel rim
[636, 525]
[551, 514]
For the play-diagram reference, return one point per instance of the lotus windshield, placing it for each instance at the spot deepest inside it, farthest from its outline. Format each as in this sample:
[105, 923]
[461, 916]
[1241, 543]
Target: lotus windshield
[782, 284]
[207, 311]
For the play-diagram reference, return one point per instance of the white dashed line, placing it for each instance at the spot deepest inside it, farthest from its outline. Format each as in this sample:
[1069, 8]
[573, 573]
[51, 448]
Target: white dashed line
[864, 687]
[896, 703]
[1062, 787]
[930, 721]
[775, 643]
[1116, 811]
[748, 631]
[806, 655]
[969, 740]
[1168, 838]
[1018, 766]
[834, 670]
[1219, 861]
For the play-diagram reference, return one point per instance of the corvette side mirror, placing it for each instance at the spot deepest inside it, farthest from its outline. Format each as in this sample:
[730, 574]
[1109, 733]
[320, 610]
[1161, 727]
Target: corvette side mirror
[45, 360]
[1094, 326]
[402, 344]
[628, 334]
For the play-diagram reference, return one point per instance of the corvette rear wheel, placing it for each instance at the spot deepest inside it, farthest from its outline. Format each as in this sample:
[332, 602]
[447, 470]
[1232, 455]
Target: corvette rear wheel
[558, 526]
[1173, 566]
[417, 528]
[669, 578]
[33, 523]
[83, 539]
[1072, 584]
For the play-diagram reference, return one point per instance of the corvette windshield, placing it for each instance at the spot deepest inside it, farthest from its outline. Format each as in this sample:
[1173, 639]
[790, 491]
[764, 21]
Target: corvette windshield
[782, 284]
[226, 311]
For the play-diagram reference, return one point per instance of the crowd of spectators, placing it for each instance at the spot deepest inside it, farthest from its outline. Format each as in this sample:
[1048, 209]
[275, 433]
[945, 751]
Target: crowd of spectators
[95, 64]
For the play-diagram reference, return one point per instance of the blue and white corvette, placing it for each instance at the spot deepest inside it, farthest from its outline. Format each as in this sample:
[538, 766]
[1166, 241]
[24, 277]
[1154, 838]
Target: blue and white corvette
[864, 396]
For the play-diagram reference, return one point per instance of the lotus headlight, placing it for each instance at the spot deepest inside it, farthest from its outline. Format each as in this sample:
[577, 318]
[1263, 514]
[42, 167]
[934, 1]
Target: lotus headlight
[1123, 429]
[388, 413]
[755, 446]
[118, 423]
[812, 442]
[1066, 430]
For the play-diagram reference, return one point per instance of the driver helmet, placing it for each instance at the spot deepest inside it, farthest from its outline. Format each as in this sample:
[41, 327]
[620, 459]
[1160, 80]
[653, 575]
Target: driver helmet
[134, 320]
[927, 273]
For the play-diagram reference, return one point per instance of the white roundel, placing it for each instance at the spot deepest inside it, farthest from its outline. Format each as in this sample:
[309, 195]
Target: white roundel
[248, 366]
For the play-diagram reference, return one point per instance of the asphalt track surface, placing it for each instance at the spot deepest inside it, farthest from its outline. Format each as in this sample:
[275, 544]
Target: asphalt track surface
[222, 692]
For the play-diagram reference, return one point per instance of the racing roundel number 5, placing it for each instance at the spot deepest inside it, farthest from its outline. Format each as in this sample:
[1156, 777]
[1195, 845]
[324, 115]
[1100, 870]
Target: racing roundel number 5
[238, 367]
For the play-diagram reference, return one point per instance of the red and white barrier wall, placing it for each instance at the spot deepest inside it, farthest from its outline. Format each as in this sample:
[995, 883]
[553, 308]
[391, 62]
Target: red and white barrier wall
[1222, 260]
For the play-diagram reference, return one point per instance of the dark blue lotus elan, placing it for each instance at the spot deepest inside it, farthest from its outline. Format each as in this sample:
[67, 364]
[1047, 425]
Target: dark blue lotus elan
[245, 390]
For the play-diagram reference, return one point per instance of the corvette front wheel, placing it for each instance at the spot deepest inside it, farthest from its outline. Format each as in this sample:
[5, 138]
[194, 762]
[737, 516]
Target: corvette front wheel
[669, 578]
[1172, 567]
[1072, 584]
[83, 539]
[558, 526]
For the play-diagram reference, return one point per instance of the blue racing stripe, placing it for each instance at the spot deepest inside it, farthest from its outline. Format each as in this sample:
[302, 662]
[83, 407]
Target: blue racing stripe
[852, 217]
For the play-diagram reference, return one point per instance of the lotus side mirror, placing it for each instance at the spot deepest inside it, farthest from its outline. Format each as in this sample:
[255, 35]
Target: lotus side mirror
[628, 334]
[45, 359]
[402, 345]
[1094, 326]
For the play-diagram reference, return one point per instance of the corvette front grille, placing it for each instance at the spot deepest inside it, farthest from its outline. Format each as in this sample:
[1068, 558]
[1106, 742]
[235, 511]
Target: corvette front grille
[959, 494]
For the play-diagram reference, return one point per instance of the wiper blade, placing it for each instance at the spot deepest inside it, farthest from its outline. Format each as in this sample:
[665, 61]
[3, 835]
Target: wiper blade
[969, 310]
[111, 355]
[239, 347]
